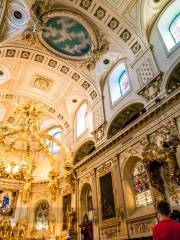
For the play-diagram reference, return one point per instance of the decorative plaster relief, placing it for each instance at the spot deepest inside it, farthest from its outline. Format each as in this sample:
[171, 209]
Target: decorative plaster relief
[114, 23]
[146, 72]
[42, 83]
[138, 228]
[112, 232]
[56, 64]
[152, 89]
[99, 133]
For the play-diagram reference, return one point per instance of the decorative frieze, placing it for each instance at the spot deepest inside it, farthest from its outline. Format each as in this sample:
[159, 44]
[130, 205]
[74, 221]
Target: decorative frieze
[140, 228]
[112, 232]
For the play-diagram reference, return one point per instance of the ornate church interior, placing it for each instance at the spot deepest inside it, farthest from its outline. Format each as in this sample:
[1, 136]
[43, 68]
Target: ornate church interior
[89, 117]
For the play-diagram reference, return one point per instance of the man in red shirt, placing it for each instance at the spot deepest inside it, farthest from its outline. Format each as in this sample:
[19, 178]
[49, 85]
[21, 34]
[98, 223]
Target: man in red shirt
[166, 229]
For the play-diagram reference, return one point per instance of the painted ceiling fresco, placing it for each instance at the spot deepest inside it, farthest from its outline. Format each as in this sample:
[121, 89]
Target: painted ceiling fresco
[67, 36]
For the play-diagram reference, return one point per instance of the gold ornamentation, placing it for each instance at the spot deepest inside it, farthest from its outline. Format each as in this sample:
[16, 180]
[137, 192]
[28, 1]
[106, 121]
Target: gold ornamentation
[27, 127]
[97, 53]
[136, 47]
[42, 83]
[25, 54]
[100, 13]
[93, 94]
[75, 77]
[113, 24]
[85, 4]
[125, 35]
[10, 53]
[85, 85]
[157, 151]
[64, 69]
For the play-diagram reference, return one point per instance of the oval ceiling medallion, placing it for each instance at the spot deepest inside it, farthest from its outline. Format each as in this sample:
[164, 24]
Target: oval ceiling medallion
[66, 36]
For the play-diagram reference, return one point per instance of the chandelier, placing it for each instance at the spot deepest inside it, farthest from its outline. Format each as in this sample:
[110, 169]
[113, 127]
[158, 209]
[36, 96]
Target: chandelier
[25, 137]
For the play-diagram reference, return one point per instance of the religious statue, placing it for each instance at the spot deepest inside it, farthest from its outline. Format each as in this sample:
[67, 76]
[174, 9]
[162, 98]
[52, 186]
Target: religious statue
[52, 221]
[53, 184]
[86, 228]
[71, 216]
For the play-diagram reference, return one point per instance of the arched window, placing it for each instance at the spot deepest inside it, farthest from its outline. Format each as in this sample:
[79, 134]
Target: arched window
[56, 133]
[83, 119]
[141, 185]
[169, 26]
[42, 216]
[175, 28]
[118, 82]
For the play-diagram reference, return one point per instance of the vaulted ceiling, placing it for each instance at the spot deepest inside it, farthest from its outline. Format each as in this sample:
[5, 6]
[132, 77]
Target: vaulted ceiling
[41, 71]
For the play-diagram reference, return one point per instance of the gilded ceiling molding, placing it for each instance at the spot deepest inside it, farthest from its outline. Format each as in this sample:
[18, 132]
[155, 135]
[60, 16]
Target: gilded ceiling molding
[49, 109]
[113, 22]
[52, 63]
[80, 41]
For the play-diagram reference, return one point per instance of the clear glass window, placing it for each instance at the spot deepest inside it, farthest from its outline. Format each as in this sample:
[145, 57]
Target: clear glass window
[83, 119]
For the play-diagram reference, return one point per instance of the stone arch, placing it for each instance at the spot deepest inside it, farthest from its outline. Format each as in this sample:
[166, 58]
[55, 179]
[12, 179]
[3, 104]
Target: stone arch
[84, 201]
[130, 194]
[84, 150]
[124, 118]
[45, 205]
[173, 81]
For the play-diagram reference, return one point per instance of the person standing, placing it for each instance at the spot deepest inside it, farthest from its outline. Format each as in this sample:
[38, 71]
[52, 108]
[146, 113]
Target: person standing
[166, 229]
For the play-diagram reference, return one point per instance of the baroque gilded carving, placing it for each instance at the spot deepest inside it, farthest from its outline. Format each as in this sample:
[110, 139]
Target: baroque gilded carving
[40, 14]
[159, 152]
[152, 89]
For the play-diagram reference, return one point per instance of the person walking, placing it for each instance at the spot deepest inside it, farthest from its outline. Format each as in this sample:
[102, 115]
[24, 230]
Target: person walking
[166, 229]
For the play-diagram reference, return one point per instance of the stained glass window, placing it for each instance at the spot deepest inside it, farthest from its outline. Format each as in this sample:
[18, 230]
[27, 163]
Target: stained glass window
[118, 82]
[175, 29]
[124, 83]
[141, 185]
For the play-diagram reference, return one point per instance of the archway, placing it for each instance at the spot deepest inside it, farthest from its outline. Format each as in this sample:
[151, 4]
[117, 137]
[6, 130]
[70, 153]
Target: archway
[86, 201]
[174, 79]
[85, 149]
[41, 216]
[125, 117]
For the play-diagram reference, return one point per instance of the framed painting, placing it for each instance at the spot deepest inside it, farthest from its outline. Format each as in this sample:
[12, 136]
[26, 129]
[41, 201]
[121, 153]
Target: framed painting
[107, 197]
[8, 201]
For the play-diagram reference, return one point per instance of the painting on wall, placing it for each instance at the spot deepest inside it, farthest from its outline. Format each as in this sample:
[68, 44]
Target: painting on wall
[107, 197]
[8, 201]
[67, 36]
[66, 209]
